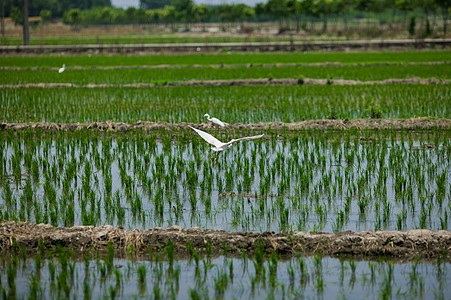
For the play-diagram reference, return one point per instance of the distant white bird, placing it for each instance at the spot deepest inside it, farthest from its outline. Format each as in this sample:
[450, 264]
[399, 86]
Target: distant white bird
[214, 120]
[61, 70]
[218, 145]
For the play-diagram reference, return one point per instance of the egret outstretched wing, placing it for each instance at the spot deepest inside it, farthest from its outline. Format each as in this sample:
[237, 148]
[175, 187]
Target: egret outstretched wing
[208, 137]
[247, 138]
[218, 145]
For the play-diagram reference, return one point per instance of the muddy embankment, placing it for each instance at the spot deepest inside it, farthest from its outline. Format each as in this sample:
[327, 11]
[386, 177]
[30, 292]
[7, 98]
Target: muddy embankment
[227, 66]
[376, 124]
[82, 239]
[234, 82]
[277, 46]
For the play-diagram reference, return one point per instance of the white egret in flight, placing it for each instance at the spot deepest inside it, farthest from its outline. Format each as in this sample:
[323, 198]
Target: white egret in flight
[214, 120]
[218, 145]
[61, 70]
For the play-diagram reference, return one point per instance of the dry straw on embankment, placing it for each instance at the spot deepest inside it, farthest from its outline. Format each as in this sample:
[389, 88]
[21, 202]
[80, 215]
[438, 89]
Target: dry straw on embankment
[398, 244]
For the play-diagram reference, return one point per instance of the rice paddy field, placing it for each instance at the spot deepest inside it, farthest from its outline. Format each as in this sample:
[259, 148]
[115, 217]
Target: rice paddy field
[320, 179]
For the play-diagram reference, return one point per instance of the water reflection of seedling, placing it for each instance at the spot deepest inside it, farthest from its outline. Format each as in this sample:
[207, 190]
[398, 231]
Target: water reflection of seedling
[272, 269]
[141, 272]
[318, 265]
[258, 263]
[170, 252]
[387, 287]
[221, 282]
[11, 278]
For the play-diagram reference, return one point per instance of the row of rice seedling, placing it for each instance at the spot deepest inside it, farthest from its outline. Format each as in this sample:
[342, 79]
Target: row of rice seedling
[130, 76]
[98, 60]
[58, 274]
[329, 181]
[242, 104]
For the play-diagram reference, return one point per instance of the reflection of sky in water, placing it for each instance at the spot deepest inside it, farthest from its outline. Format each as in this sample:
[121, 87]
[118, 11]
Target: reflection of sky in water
[338, 280]
[240, 211]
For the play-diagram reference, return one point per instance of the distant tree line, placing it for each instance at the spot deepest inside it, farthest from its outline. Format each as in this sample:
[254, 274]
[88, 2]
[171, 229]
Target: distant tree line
[85, 12]
[55, 7]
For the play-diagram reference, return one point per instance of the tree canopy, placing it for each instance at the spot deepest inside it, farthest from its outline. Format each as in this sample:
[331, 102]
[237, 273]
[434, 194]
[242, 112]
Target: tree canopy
[78, 12]
[56, 7]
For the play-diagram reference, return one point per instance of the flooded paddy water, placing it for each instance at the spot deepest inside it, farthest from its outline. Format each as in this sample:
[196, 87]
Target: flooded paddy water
[222, 278]
[313, 180]
[308, 182]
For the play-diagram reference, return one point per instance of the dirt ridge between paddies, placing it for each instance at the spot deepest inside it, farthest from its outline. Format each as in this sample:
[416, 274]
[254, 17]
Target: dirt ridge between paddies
[235, 82]
[376, 124]
[230, 66]
[17, 236]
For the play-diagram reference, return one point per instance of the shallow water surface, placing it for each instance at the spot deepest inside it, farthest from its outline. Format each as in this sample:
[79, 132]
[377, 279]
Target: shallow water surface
[304, 183]
[223, 277]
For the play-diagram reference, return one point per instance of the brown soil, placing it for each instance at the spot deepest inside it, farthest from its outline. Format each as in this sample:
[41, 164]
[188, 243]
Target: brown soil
[278, 46]
[395, 124]
[234, 82]
[82, 239]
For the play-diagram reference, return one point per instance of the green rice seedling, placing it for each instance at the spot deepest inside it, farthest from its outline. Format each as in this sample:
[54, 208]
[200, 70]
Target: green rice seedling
[225, 248]
[423, 218]
[378, 223]
[208, 249]
[399, 221]
[339, 221]
[444, 221]
[190, 248]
